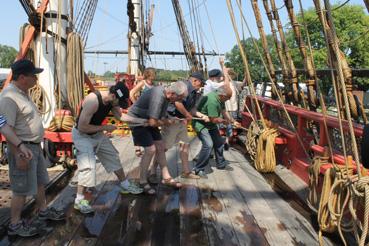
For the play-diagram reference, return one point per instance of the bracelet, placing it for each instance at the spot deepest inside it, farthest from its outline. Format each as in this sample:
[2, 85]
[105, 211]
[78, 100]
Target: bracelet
[18, 145]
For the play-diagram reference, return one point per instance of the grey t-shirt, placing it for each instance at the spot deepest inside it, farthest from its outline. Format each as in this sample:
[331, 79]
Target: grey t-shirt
[151, 104]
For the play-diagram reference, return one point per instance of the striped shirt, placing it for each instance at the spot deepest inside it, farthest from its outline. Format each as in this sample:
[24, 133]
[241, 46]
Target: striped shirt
[2, 121]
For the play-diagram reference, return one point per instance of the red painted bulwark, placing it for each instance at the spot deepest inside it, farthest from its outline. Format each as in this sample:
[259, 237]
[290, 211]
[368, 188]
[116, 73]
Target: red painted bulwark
[289, 150]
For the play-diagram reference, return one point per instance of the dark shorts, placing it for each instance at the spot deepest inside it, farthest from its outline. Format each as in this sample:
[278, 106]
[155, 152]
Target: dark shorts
[145, 136]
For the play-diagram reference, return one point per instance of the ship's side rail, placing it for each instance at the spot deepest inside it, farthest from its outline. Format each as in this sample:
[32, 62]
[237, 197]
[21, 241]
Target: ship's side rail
[309, 126]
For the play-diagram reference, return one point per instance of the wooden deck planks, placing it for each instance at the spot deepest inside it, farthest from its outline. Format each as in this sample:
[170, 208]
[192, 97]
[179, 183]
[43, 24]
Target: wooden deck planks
[244, 224]
[233, 207]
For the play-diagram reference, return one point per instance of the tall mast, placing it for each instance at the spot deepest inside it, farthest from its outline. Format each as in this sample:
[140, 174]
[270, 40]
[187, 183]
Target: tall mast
[51, 55]
[134, 36]
[188, 46]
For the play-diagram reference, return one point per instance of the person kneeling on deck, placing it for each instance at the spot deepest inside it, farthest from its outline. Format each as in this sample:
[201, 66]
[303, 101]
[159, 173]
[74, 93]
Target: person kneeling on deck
[213, 106]
[152, 105]
[28, 176]
[90, 140]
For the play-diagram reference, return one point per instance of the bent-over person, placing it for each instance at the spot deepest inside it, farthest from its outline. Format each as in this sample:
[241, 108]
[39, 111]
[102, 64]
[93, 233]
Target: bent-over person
[90, 140]
[152, 105]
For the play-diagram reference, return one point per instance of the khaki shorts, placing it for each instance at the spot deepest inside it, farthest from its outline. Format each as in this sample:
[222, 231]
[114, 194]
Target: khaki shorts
[24, 183]
[174, 134]
[87, 147]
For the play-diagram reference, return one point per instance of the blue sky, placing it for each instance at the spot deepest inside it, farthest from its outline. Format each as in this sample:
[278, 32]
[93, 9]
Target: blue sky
[110, 25]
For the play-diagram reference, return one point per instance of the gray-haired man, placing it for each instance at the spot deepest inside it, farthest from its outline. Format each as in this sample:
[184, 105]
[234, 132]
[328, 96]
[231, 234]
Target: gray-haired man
[152, 105]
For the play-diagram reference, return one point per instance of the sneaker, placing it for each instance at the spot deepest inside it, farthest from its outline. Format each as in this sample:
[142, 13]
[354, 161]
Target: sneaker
[84, 207]
[51, 214]
[131, 189]
[201, 174]
[22, 230]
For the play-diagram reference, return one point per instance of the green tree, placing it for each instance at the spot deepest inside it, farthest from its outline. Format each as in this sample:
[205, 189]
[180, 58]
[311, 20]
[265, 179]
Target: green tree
[7, 55]
[257, 69]
[352, 25]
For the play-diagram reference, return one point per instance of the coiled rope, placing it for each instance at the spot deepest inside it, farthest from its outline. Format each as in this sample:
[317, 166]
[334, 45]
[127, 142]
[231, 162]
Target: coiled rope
[265, 158]
[75, 71]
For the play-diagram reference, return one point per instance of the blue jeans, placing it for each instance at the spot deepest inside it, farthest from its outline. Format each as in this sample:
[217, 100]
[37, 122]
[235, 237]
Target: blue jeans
[229, 128]
[210, 139]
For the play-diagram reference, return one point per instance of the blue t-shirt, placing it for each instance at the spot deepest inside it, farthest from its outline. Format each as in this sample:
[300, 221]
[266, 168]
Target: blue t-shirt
[2, 121]
[189, 102]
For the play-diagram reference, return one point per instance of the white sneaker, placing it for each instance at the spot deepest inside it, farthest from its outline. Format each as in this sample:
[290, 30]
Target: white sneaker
[131, 189]
[84, 206]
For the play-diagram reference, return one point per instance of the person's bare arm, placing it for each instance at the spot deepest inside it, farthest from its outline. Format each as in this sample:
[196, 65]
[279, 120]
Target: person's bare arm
[117, 112]
[89, 107]
[133, 93]
[181, 108]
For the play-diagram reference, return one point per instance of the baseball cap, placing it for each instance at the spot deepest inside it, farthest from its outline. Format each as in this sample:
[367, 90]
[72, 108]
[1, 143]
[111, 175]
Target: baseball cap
[24, 66]
[198, 75]
[215, 73]
[121, 92]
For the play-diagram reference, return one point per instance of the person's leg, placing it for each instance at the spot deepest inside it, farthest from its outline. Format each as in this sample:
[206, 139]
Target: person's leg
[146, 158]
[161, 158]
[40, 198]
[16, 206]
[183, 154]
[204, 154]
[218, 148]
[153, 166]
[86, 162]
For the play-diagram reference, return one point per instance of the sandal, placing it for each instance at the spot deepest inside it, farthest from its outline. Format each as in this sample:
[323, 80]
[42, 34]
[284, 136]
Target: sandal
[153, 179]
[147, 189]
[189, 175]
[170, 182]
[138, 152]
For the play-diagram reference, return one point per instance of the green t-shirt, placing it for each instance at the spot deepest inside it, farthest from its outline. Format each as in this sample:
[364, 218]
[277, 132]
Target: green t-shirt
[211, 106]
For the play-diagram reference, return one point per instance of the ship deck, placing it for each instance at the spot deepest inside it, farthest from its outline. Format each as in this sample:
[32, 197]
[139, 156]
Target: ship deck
[233, 207]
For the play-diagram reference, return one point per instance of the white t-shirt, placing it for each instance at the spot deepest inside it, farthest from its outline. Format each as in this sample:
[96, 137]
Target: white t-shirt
[211, 86]
[232, 103]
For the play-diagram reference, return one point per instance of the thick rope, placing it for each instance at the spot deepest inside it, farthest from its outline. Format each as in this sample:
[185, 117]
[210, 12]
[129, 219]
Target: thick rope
[265, 158]
[75, 71]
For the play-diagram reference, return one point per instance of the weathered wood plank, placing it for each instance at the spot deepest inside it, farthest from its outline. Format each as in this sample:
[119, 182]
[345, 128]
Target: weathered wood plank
[245, 227]
[261, 210]
[192, 230]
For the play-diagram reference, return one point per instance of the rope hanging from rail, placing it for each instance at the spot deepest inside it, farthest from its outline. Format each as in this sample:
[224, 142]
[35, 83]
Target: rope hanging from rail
[267, 71]
[265, 161]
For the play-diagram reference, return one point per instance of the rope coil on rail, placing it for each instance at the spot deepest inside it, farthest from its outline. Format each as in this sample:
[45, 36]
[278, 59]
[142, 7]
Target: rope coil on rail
[265, 158]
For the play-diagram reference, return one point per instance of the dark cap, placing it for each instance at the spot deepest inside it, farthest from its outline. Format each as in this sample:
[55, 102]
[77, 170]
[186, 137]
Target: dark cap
[215, 73]
[198, 75]
[24, 66]
[121, 92]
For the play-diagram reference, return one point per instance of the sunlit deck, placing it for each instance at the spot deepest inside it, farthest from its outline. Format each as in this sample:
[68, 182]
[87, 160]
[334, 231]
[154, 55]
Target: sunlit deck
[233, 207]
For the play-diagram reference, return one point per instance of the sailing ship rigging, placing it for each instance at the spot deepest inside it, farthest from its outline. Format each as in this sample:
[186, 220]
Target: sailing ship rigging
[293, 128]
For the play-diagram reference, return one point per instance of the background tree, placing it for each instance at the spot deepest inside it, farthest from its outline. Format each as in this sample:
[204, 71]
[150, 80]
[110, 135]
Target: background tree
[352, 26]
[7, 55]
[257, 70]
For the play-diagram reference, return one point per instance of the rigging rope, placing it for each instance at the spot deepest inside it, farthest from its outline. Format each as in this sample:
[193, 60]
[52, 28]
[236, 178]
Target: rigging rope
[292, 69]
[308, 64]
[265, 66]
